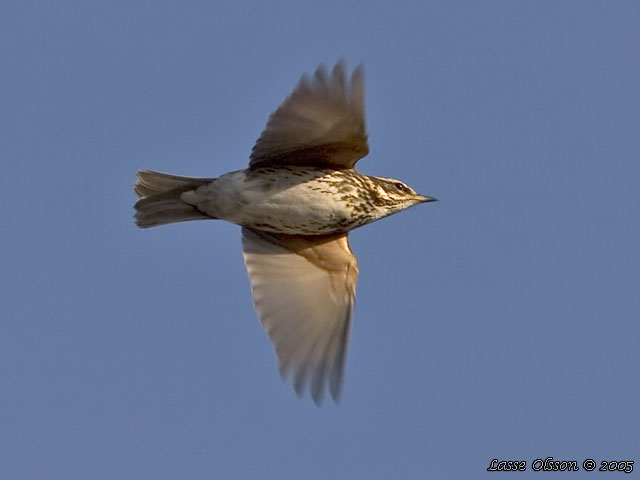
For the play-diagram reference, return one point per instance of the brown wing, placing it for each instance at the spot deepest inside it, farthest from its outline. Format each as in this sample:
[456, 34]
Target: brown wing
[304, 293]
[320, 124]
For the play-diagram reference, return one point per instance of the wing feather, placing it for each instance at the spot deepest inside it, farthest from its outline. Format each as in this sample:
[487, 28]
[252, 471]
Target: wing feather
[304, 293]
[320, 124]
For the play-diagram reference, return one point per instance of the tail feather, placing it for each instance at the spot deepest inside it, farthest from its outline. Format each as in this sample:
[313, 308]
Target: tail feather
[149, 182]
[160, 201]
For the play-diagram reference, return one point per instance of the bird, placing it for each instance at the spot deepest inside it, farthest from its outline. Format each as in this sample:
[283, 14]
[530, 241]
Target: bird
[296, 203]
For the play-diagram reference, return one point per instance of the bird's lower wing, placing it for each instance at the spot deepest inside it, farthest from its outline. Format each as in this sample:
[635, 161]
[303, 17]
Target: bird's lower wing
[304, 293]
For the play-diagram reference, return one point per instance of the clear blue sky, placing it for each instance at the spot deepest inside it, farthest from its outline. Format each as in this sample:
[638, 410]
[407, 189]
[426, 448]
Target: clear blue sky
[501, 322]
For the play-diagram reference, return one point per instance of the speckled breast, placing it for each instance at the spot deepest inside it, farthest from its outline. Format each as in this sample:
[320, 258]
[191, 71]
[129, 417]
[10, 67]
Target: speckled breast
[306, 201]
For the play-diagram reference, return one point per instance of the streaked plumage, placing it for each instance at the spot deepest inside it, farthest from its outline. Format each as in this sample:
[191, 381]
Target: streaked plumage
[296, 203]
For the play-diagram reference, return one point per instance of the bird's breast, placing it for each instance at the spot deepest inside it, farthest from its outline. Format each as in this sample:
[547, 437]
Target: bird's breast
[295, 200]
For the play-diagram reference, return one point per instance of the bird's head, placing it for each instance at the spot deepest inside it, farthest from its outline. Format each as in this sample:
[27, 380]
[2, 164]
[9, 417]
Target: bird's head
[394, 195]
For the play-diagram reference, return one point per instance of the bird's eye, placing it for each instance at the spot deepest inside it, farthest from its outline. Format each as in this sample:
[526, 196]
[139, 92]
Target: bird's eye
[400, 187]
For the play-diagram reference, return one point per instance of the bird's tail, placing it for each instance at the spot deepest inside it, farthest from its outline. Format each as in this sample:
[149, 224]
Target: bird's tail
[160, 202]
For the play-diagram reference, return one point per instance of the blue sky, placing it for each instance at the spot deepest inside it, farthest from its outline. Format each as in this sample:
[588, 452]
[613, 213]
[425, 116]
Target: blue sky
[501, 322]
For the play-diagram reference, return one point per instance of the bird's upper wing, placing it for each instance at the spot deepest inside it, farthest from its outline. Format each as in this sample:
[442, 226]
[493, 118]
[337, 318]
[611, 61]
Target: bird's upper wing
[304, 293]
[320, 124]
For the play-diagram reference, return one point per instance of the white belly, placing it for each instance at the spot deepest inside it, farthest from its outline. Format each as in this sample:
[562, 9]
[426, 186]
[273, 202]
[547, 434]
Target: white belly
[286, 205]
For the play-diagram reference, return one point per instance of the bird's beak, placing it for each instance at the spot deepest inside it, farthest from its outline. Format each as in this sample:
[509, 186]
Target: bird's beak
[424, 199]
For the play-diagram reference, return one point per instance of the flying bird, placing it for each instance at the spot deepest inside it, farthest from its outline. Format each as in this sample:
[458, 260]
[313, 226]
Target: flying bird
[296, 204]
